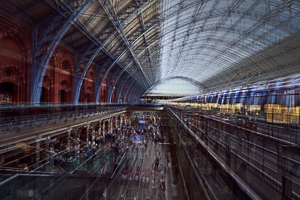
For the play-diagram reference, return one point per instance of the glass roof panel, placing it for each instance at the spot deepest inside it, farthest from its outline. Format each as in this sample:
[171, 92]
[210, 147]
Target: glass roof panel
[175, 87]
[201, 39]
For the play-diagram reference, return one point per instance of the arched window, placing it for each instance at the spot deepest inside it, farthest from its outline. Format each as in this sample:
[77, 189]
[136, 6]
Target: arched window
[66, 64]
[7, 73]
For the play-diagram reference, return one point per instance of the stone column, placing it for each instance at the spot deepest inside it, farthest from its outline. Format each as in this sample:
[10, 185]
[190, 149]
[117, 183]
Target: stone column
[116, 121]
[37, 147]
[111, 125]
[121, 120]
[99, 131]
[87, 135]
[103, 130]
[77, 141]
[69, 138]
[52, 159]
[48, 153]
[77, 134]
[93, 134]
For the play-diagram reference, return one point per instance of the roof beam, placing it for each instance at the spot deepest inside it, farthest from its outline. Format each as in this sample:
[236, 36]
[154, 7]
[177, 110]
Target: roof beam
[141, 18]
[31, 7]
[121, 33]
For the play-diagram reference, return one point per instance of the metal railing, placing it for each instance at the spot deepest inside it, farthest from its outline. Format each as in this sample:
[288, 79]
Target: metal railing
[19, 118]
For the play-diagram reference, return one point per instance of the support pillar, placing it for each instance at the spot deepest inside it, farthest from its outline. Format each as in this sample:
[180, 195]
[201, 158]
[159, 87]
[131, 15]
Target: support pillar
[103, 130]
[116, 121]
[48, 154]
[121, 120]
[99, 131]
[93, 134]
[69, 139]
[78, 141]
[37, 147]
[87, 135]
[129, 121]
[77, 134]
[111, 126]
[50, 149]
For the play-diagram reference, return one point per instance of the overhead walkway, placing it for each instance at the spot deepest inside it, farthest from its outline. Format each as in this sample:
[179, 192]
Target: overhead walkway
[30, 128]
[16, 119]
[262, 161]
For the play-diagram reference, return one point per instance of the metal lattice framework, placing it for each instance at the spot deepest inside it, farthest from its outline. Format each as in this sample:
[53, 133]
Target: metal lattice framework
[228, 43]
[137, 44]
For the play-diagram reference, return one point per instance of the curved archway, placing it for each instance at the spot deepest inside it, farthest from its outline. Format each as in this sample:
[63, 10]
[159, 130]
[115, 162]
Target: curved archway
[175, 86]
[64, 90]
[104, 91]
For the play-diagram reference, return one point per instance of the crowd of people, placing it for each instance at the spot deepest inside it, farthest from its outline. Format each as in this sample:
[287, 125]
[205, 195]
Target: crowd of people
[152, 176]
[131, 138]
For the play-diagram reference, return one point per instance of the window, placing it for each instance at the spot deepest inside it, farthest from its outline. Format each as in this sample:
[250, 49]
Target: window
[65, 64]
[7, 73]
[176, 86]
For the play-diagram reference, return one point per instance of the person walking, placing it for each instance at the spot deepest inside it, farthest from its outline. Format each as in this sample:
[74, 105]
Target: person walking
[146, 143]
[163, 186]
[137, 150]
[156, 163]
[158, 153]
[161, 169]
[174, 190]
[137, 179]
[153, 188]
[130, 185]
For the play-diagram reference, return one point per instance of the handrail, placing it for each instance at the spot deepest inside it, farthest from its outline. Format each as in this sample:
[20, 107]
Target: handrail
[217, 159]
[22, 121]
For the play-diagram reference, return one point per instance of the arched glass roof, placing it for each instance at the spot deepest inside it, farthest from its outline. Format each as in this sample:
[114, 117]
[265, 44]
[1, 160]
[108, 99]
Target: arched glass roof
[216, 43]
[202, 40]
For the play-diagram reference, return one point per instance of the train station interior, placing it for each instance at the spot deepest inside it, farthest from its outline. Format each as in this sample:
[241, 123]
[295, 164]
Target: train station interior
[149, 99]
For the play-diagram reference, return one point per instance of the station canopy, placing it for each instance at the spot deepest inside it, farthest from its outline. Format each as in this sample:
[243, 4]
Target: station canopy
[213, 44]
[174, 87]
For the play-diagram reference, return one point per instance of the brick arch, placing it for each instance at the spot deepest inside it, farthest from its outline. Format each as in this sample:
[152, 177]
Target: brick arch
[15, 54]
[13, 74]
[49, 91]
[65, 84]
[64, 91]
[47, 82]
[104, 91]
[15, 77]
[19, 39]
[65, 64]
[87, 88]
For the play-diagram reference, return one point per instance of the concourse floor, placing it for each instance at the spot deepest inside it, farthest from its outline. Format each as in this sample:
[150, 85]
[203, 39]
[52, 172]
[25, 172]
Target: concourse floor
[144, 160]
